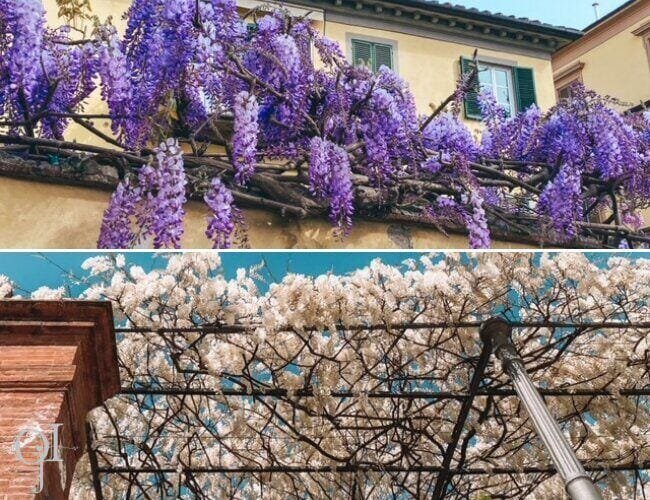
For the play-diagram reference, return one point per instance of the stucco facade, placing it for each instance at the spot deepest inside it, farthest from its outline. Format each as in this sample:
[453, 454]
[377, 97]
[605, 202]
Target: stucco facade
[426, 55]
[613, 58]
[431, 64]
[48, 216]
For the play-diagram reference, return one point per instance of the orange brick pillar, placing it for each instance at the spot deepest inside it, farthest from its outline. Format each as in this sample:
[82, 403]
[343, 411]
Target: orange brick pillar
[58, 360]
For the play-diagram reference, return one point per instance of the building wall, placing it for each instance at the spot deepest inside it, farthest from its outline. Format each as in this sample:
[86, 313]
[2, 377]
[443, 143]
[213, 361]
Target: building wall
[21, 409]
[58, 360]
[615, 59]
[48, 216]
[432, 66]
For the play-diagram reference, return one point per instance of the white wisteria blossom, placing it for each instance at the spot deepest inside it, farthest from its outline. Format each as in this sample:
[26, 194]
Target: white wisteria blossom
[6, 287]
[47, 293]
[350, 386]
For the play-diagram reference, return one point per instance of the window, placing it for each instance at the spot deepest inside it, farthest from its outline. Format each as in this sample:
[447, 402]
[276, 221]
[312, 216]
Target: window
[565, 92]
[498, 80]
[512, 86]
[372, 55]
[251, 30]
[566, 78]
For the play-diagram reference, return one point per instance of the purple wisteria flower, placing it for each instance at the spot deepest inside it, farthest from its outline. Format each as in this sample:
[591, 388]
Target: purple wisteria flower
[329, 50]
[447, 211]
[221, 222]
[164, 196]
[41, 74]
[244, 140]
[388, 126]
[456, 149]
[561, 204]
[118, 222]
[25, 22]
[449, 136]
[479, 233]
[506, 137]
[155, 205]
[116, 85]
[173, 53]
[330, 178]
[75, 68]
[279, 55]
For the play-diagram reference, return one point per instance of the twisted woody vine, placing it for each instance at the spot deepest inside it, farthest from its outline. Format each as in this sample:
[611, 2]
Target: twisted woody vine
[303, 132]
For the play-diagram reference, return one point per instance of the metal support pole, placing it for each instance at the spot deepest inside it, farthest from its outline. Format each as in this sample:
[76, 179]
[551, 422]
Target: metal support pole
[496, 332]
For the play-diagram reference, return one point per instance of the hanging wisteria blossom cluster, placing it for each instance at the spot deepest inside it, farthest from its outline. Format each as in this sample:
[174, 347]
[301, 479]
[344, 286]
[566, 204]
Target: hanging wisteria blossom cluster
[43, 77]
[152, 207]
[184, 68]
[321, 375]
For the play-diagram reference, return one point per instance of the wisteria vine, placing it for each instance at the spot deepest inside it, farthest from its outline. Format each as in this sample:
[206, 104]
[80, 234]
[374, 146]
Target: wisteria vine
[183, 69]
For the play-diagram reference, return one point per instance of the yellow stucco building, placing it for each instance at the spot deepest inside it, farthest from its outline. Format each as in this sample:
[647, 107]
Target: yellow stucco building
[612, 58]
[425, 42]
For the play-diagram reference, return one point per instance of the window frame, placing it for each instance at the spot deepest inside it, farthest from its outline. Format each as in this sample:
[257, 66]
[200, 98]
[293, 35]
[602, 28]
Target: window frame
[567, 77]
[352, 37]
[512, 91]
[644, 33]
[566, 87]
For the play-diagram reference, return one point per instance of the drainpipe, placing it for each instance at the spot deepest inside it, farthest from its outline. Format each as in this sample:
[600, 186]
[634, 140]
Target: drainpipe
[496, 332]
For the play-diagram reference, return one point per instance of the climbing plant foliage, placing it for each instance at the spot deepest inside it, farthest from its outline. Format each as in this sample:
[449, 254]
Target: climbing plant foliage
[181, 69]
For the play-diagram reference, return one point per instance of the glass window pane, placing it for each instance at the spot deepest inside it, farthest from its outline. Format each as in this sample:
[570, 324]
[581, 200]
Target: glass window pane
[485, 76]
[503, 96]
[487, 88]
[501, 77]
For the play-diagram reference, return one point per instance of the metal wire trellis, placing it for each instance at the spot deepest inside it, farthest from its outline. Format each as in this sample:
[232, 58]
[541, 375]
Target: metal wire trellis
[436, 475]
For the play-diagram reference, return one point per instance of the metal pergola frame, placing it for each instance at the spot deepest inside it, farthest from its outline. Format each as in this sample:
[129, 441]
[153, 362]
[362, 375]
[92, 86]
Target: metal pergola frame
[445, 472]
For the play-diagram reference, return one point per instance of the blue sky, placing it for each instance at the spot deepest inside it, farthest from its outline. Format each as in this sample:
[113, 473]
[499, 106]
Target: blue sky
[31, 270]
[571, 13]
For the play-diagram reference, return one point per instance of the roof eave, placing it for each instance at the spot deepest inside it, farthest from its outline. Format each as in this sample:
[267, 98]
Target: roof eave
[448, 19]
[497, 19]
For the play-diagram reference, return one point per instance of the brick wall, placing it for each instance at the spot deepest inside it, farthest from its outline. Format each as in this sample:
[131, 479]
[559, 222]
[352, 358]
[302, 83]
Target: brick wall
[57, 362]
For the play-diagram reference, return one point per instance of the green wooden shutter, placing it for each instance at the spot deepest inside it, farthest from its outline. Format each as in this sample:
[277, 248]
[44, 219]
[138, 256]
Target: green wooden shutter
[525, 88]
[472, 108]
[361, 51]
[251, 30]
[383, 56]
